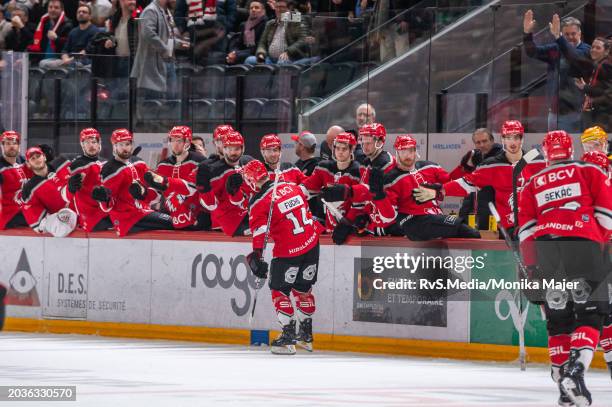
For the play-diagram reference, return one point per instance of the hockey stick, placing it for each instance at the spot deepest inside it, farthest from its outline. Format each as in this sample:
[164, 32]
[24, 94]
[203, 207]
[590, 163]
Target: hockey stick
[258, 281]
[527, 158]
[523, 271]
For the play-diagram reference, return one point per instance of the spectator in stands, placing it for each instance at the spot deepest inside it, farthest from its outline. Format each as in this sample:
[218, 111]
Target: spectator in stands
[155, 50]
[597, 70]
[52, 31]
[5, 28]
[250, 34]
[22, 31]
[100, 11]
[565, 99]
[393, 38]
[484, 147]
[78, 40]
[365, 114]
[327, 145]
[283, 40]
[206, 23]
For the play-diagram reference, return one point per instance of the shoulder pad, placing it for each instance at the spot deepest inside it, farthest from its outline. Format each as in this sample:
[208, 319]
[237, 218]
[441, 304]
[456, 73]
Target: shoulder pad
[134, 159]
[30, 185]
[81, 161]
[424, 163]
[110, 167]
[286, 166]
[195, 156]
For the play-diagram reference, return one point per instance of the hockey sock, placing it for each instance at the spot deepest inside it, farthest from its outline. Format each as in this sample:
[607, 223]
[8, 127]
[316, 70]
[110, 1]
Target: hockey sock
[558, 350]
[584, 339]
[605, 340]
[305, 303]
[283, 307]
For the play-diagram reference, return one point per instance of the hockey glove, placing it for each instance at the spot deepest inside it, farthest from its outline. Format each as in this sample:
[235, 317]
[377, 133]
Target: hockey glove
[376, 183]
[75, 183]
[257, 265]
[101, 194]
[336, 193]
[341, 233]
[465, 160]
[47, 151]
[203, 177]
[157, 182]
[426, 193]
[137, 190]
[233, 183]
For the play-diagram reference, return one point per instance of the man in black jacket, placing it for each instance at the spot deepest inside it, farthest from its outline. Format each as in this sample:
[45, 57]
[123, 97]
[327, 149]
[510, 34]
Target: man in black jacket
[250, 34]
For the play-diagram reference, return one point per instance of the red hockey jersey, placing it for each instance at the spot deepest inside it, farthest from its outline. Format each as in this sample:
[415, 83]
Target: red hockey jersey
[88, 209]
[288, 172]
[327, 173]
[13, 179]
[495, 172]
[292, 227]
[226, 212]
[43, 195]
[124, 210]
[180, 200]
[569, 198]
[398, 189]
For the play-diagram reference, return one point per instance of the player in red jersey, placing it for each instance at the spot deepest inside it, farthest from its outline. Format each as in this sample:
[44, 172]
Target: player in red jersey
[270, 148]
[293, 269]
[180, 200]
[395, 204]
[123, 193]
[13, 174]
[85, 176]
[565, 218]
[495, 172]
[221, 189]
[44, 206]
[220, 131]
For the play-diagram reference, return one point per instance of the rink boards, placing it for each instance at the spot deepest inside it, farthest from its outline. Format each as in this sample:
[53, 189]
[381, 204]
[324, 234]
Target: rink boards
[195, 286]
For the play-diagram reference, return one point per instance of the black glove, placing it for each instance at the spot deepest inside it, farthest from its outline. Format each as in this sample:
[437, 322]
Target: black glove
[336, 193]
[157, 182]
[257, 265]
[341, 233]
[361, 222]
[137, 190]
[203, 177]
[101, 194]
[47, 151]
[75, 182]
[377, 183]
[466, 158]
[233, 183]
[1, 179]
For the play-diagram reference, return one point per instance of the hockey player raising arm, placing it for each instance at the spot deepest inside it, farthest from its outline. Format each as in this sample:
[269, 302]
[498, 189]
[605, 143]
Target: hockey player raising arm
[123, 192]
[567, 210]
[44, 206]
[293, 269]
[395, 204]
[495, 172]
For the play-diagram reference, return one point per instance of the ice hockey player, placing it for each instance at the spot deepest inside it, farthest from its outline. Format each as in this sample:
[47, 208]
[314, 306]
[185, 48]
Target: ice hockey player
[123, 193]
[222, 191]
[594, 139]
[13, 174]
[565, 217]
[85, 176]
[342, 170]
[270, 148]
[295, 257]
[218, 134]
[372, 138]
[392, 197]
[495, 172]
[179, 200]
[44, 206]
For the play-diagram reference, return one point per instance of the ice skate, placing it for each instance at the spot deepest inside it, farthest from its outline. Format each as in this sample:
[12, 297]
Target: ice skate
[304, 336]
[285, 343]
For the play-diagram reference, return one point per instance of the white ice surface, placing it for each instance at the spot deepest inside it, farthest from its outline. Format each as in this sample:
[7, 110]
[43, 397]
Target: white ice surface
[113, 372]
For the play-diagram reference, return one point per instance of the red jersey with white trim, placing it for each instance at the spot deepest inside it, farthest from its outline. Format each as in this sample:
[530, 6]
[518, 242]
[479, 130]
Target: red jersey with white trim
[288, 172]
[13, 179]
[292, 227]
[385, 161]
[327, 173]
[124, 210]
[569, 198]
[43, 195]
[398, 189]
[88, 209]
[181, 201]
[495, 172]
[226, 211]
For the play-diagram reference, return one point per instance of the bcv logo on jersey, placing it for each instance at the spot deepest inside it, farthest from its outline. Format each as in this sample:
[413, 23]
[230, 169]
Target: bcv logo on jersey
[553, 176]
